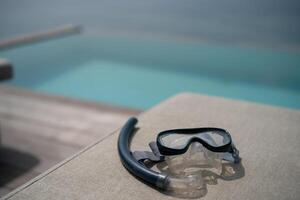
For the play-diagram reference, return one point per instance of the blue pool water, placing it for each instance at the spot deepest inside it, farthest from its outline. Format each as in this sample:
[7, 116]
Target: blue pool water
[139, 73]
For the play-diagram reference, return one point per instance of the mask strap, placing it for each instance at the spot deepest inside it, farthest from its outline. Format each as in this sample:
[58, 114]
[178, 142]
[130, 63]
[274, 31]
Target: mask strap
[232, 155]
[153, 156]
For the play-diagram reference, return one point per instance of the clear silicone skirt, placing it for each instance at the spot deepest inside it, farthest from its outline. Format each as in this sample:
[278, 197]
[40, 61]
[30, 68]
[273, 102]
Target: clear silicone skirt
[189, 173]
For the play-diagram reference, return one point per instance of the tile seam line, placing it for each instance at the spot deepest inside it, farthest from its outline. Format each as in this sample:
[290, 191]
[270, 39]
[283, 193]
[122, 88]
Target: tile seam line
[55, 167]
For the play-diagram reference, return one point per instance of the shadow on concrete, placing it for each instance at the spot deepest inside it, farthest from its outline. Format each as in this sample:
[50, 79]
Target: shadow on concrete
[14, 163]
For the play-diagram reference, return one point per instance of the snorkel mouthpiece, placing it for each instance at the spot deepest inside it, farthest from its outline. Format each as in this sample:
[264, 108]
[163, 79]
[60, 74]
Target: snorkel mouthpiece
[190, 186]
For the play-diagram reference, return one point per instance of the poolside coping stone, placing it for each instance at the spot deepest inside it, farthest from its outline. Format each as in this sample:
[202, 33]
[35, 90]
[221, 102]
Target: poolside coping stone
[268, 139]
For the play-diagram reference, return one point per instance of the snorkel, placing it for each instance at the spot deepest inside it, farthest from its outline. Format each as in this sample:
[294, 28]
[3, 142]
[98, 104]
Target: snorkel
[131, 164]
[181, 184]
[189, 184]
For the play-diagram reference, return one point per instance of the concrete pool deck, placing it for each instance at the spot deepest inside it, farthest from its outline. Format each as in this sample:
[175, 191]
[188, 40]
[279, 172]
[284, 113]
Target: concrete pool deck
[268, 139]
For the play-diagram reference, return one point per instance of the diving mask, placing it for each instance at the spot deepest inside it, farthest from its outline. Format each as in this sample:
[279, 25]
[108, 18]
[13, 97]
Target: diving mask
[178, 154]
[178, 141]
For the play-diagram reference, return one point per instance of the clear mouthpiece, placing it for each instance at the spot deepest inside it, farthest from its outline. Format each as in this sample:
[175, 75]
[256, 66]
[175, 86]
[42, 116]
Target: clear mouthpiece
[190, 172]
[191, 186]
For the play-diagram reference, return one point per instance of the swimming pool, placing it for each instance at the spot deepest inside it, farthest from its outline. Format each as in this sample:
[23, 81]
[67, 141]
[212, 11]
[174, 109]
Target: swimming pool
[138, 72]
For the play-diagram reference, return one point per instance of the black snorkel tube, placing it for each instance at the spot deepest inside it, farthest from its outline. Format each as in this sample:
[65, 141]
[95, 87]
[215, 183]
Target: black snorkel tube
[131, 164]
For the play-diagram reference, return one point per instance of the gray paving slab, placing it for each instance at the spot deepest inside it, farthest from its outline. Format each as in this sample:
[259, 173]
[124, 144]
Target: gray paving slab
[268, 139]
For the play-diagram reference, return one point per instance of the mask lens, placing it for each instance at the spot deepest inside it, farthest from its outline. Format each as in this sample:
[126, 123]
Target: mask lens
[214, 138]
[176, 140]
